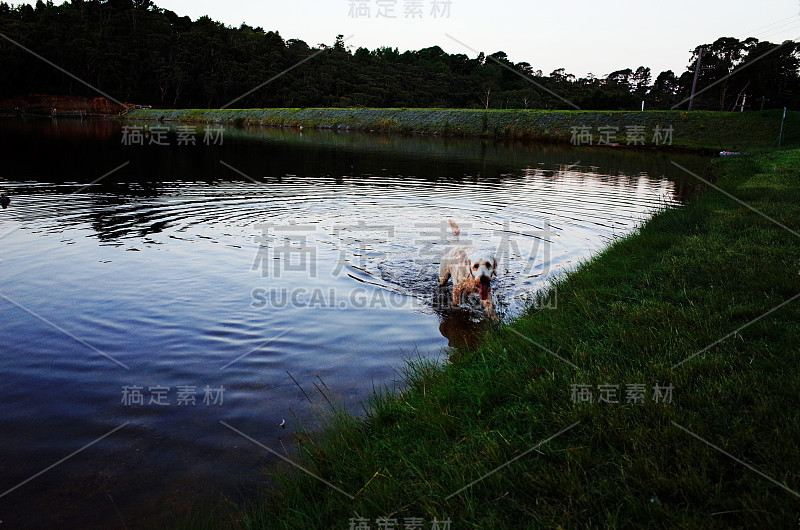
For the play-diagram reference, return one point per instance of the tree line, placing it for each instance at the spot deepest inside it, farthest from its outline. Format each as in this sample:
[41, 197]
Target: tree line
[140, 53]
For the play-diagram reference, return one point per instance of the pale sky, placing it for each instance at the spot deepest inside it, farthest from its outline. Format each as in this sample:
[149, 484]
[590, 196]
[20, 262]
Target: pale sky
[597, 36]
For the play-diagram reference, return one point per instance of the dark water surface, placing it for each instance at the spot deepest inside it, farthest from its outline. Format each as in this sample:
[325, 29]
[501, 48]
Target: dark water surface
[232, 266]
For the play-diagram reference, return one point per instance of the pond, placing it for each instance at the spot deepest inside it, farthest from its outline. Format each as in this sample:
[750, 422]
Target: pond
[167, 304]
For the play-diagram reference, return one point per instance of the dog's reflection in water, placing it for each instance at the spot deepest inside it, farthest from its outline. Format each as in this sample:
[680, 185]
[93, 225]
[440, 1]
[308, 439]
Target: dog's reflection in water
[460, 330]
[462, 327]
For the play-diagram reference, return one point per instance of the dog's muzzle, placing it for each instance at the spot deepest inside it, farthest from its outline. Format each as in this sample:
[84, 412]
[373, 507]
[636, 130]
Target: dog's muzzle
[483, 288]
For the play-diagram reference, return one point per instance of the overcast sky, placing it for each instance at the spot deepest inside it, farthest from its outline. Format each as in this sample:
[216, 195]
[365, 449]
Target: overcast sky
[597, 36]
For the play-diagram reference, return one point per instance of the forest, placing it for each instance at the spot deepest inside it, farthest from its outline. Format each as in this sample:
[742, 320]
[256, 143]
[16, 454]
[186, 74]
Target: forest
[142, 54]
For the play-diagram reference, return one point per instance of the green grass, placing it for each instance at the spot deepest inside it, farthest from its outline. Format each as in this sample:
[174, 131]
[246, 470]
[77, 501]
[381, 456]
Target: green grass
[690, 277]
[703, 130]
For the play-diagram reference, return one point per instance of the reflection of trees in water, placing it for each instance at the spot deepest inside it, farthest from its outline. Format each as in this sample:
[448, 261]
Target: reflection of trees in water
[61, 128]
[683, 190]
[112, 210]
[455, 157]
[115, 212]
[81, 151]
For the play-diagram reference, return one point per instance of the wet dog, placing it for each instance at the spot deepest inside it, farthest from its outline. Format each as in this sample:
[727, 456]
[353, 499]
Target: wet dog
[471, 270]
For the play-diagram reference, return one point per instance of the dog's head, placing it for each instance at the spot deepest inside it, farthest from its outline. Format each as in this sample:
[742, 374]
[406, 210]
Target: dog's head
[483, 266]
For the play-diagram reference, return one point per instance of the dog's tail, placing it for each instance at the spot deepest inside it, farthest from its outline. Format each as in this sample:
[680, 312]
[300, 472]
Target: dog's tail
[454, 226]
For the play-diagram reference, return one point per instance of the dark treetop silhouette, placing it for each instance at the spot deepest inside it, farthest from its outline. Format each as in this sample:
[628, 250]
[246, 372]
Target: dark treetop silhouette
[138, 52]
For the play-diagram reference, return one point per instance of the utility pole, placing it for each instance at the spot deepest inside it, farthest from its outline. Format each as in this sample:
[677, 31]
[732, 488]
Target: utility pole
[696, 75]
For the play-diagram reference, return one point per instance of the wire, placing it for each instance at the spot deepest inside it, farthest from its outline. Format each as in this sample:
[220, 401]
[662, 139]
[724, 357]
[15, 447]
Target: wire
[747, 33]
[771, 35]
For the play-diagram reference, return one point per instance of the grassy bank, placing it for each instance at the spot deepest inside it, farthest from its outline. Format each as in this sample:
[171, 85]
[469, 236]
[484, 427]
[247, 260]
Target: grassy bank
[691, 277]
[692, 130]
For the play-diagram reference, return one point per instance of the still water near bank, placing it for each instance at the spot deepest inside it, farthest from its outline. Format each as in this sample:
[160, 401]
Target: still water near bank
[205, 274]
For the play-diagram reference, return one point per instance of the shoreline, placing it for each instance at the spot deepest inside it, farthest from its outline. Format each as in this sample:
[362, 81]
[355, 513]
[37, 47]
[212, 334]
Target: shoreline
[697, 131]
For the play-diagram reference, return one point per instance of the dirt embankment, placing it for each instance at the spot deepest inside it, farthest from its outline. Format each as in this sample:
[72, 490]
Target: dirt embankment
[49, 105]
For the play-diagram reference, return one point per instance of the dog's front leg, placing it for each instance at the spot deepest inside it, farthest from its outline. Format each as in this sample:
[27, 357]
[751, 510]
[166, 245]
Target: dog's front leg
[457, 290]
[490, 309]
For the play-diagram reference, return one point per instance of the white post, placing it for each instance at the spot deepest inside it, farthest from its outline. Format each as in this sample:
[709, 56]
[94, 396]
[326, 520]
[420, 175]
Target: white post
[642, 105]
[780, 136]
